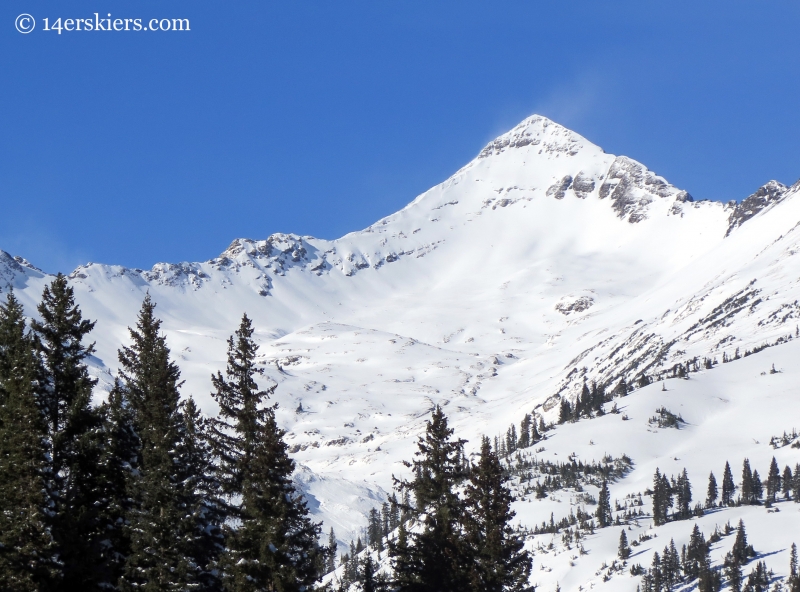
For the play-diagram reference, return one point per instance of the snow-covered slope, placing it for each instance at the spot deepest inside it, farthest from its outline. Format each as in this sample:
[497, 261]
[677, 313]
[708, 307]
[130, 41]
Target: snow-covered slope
[541, 263]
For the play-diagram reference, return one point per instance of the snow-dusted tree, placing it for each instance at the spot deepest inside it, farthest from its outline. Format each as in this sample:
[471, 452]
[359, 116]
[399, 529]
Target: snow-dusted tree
[728, 486]
[603, 512]
[499, 561]
[773, 481]
[435, 559]
[26, 544]
[624, 551]
[662, 498]
[786, 482]
[741, 550]
[74, 432]
[163, 521]
[712, 492]
[272, 544]
[683, 494]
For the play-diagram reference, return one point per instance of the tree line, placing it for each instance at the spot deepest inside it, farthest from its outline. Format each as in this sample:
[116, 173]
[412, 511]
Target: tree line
[141, 492]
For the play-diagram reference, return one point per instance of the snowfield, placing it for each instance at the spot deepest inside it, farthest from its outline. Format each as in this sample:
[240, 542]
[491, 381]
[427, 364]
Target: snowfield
[541, 264]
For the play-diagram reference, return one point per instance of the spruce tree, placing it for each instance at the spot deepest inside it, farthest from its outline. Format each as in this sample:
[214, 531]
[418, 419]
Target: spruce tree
[603, 512]
[712, 493]
[624, 551]
[405, 575]
[375, 530]
[786, 482]
[119, 463]
[773, 481]
[499, 561]
[436, 559]
[683, 492]
[748, 494]
[26, 544]
[201, 496]
[272, 545]
[74, 431]
[161, 524]
[662, 498]
[741, 550]
[332, 546]
[796, 484]
[696, 554]
[733, 571]
[728, 486]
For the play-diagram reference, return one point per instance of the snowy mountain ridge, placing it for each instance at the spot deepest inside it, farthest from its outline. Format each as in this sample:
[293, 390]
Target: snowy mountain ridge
[542, 263]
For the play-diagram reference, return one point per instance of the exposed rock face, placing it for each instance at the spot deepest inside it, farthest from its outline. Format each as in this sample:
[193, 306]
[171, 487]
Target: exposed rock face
[568, 305]
[559, 189]
[631, 187]
[766, 195]
[583, 185]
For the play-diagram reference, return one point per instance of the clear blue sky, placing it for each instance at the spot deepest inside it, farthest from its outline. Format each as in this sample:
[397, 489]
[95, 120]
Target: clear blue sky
[320, 117]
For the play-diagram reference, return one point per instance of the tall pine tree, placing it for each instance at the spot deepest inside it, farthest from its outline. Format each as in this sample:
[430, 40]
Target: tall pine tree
[436, 559]
[74, 431]
[603, 512]
[728, 486]
[271, 543]
[162, 522]
[26, 544]
[499, 561]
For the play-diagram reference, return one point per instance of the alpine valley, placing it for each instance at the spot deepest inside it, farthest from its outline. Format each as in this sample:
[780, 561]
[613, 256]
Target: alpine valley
[542, 270]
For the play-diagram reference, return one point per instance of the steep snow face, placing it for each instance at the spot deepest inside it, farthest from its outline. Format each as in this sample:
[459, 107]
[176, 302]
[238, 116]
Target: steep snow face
[541, 263]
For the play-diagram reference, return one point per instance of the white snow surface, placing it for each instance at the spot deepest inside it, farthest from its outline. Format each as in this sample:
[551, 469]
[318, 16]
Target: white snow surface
[541, 263]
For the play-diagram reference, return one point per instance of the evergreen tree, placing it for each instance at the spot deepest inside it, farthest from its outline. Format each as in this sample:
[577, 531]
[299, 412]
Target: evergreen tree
[74, 432]
[394, 512]
[119, 463]
[332, 546]
[436, 558]
[161, 525]
[728, 486]
[712, 494]
[375, 530]
[733, 571]
[683, 491]
[796, 484]
[603, 512]
[696, 554]
[367, 576]
[499, 561]
[564, 411]
[662, 498]
[670, 566]
[758, 488]
[405, 574]
[786, 482]
[773, 481]
[741, 550]
[26, 544]
[748, 494]
[200, 490]
[525, 431]
[385, 519]
[657, 573]
[274, 546]
[624, 550]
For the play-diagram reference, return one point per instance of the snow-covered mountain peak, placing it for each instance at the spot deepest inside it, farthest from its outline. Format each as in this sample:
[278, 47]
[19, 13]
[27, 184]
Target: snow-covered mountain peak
[542, 134]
